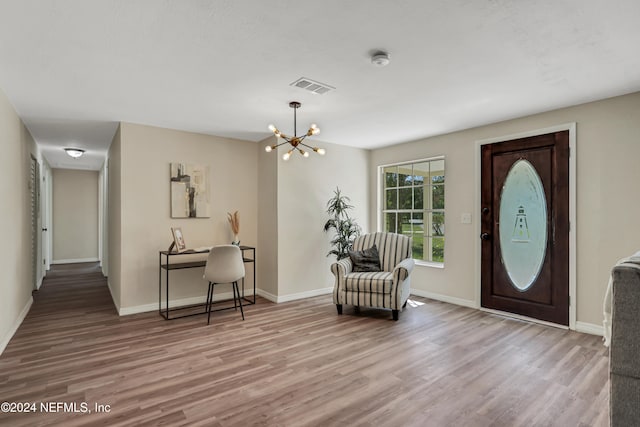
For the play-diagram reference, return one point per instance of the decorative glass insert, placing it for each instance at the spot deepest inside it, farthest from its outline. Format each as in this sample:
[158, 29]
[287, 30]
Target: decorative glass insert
[523, 225]
[413, 204]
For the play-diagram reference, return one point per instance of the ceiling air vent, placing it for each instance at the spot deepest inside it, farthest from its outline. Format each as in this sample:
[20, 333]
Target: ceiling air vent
[312, 86]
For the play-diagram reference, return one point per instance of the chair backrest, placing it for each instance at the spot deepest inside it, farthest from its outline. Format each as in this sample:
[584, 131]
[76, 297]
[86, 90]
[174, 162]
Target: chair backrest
[224, 264]
[392, 247]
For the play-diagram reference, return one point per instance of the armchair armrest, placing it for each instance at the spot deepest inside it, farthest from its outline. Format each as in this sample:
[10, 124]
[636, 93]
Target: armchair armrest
[342, 268]
[404, 269]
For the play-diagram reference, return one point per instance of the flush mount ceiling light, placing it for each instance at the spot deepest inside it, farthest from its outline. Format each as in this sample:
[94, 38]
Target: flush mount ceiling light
[74, 152]
[295, 141]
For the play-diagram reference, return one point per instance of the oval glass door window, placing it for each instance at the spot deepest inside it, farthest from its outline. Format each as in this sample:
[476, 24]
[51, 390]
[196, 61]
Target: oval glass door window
[523, 225]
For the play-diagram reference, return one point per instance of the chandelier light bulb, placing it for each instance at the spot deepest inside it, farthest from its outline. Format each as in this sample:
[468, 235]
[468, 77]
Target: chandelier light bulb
[268, 148]
[320, 151]
[272, 128]
[286, 155]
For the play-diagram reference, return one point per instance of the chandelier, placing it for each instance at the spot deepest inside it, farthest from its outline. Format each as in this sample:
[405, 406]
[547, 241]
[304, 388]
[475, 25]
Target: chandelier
[295, 141]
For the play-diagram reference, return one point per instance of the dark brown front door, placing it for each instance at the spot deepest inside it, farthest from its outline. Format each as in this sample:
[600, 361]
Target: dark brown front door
[525, 227]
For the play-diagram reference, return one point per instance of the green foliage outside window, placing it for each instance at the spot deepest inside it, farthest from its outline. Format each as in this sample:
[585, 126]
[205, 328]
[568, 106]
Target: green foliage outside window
[414, 198]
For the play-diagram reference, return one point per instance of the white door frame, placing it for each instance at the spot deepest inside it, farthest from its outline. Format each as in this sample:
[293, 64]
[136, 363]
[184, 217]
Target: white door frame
[571, 127]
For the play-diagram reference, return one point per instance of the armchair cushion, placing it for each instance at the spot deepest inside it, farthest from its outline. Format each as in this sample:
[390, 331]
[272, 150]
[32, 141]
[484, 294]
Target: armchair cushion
[379, 282]
[365, 260]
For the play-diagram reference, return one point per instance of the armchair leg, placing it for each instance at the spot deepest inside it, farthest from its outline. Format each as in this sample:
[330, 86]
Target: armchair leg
[339, 307]
[395, 314]
[405, 303]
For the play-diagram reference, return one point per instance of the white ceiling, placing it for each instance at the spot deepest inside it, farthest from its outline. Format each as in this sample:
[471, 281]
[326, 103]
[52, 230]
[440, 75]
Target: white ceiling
[73, 68]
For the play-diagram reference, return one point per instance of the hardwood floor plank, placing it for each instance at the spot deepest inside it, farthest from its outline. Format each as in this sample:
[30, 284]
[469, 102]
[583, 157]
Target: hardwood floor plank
[295, 364]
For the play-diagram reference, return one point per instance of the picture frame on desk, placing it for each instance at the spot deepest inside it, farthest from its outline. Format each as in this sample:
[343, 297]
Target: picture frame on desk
[178, 240]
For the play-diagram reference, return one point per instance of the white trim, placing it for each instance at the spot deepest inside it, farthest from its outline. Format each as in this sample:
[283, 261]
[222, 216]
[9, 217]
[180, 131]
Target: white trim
[39, 283]
[267, 295]
[408, 162]
[380, 196]
[74, 260]
[174, 303]
[431, 264]
[571, 127]
[443, 298]
[525, 318]
[16, 325]
[302, 295]
[590, 328]
[112, 298]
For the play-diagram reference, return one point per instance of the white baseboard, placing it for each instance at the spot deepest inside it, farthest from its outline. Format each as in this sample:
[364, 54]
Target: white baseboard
[590, 328]
[301, 295]
[16, 325]
[266, 295]
[584, 327]
[444, 298]
[145, 308]
[74, 260]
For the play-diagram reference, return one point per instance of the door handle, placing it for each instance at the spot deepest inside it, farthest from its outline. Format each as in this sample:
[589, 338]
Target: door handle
[485, 236]
[44, 229]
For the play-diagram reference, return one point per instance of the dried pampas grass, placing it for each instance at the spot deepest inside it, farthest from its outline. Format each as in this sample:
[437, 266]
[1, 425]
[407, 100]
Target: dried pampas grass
[234, 221]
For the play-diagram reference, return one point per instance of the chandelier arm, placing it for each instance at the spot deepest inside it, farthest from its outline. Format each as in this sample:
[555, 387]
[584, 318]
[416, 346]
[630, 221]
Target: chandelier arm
[285, 137]
[308, 146]
[278, 145]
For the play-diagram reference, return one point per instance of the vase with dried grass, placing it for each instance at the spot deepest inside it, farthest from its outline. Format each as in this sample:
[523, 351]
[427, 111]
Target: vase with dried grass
[234, 221]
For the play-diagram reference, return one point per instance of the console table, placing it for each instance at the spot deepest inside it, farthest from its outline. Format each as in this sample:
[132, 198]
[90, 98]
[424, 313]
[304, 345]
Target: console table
[248, 256]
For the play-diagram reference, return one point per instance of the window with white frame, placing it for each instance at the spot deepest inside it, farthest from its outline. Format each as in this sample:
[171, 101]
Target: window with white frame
[413, 205]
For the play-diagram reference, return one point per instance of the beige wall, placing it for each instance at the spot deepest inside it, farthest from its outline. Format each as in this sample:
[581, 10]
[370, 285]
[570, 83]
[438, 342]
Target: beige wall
[145, 154]
[75, 215]
[303, 187]
[267, 266]
[114, 218]
[16, 281]
[607, 204]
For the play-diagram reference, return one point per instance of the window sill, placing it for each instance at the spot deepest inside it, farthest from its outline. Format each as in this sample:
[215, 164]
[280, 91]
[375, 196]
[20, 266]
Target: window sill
[429, 264]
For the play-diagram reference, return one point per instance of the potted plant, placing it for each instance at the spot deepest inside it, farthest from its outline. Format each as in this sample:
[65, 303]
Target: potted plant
[344, 227]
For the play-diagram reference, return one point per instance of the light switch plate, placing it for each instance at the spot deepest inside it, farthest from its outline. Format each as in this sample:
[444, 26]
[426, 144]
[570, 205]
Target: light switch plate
[465, 218]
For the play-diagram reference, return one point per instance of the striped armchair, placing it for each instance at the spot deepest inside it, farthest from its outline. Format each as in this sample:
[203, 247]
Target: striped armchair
[388, 288]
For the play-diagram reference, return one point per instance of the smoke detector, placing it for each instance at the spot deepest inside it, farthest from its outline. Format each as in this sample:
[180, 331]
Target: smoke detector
[380, 59]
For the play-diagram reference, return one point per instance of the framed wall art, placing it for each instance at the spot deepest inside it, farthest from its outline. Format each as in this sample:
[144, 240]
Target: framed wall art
[190, 196]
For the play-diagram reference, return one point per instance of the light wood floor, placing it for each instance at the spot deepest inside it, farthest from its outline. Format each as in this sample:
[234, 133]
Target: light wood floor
[296, 364]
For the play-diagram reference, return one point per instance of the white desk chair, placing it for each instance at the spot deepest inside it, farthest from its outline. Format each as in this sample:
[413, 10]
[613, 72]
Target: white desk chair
[224, 265]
